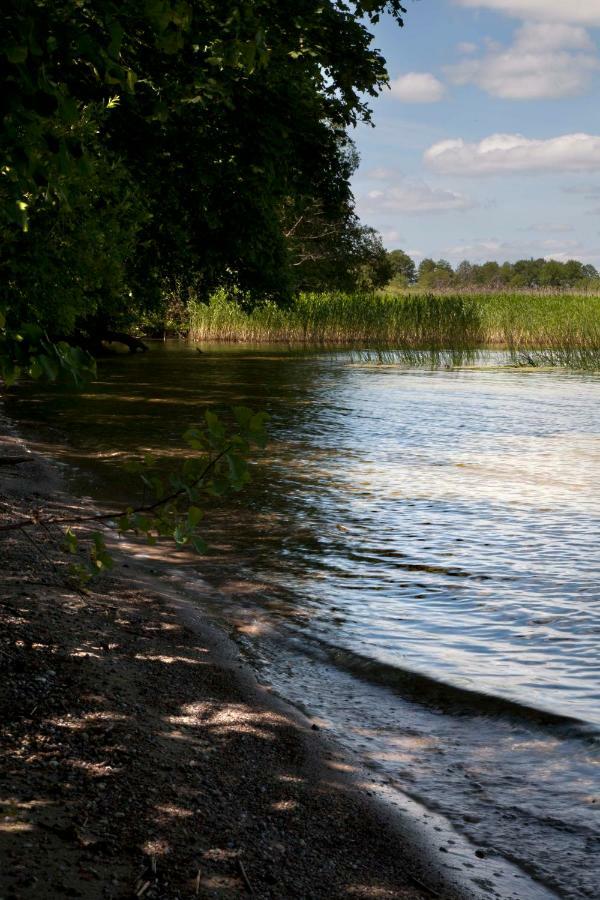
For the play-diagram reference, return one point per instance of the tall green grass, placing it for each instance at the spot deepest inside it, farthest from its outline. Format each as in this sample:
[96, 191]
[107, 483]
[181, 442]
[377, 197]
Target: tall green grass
[542, 329]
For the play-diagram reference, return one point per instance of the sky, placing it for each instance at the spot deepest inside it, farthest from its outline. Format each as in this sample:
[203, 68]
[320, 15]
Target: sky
[487, 145]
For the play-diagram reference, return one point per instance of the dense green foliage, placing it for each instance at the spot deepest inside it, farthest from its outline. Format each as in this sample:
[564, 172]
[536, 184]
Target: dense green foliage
[336, 253]
[148, 143]
[26, 349]
[555, 329]
[404, 270]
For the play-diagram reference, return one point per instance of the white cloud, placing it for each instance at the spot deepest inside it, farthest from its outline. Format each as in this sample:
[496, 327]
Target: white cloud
[564, 257]
[546, 60]
[553, 248]
[479, 251]
[581, 12]
[466, 47]
[417, 87]
[392, 237]
[414, 197]
[381, 173]
[501, 153]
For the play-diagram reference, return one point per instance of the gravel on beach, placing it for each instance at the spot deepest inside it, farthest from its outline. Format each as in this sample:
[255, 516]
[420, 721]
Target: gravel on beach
[135, 763]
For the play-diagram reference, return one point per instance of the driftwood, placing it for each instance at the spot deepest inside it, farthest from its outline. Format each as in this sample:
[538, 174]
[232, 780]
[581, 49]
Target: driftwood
[120, 337]
[96, 339]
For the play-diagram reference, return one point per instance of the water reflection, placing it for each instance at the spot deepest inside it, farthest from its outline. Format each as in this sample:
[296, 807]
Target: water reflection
[449, 518]
[442, 522]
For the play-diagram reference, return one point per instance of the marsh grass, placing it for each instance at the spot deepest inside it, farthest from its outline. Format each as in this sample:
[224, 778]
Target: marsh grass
[534, 329]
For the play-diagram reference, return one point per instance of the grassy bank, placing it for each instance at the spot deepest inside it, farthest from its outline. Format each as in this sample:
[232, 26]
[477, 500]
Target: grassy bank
[535, 329]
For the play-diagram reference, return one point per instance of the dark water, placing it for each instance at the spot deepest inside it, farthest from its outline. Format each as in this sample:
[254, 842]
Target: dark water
[425, 544]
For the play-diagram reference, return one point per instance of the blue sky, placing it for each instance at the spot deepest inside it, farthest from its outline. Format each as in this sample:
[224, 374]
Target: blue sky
[487, 146]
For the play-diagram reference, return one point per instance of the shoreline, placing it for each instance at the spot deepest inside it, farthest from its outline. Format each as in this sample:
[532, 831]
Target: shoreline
[112, 703]
[386, 846]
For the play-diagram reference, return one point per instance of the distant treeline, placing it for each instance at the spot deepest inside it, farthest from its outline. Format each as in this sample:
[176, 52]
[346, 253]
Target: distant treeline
[525, 273]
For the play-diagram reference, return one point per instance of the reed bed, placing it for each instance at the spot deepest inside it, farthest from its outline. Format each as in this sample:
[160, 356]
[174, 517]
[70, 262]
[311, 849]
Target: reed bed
[534, 329]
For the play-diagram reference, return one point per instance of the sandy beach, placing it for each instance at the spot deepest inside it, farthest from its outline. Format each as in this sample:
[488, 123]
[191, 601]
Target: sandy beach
[140, 758]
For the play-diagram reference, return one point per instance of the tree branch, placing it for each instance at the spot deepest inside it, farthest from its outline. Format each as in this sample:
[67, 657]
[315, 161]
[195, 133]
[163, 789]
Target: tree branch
[100, 517]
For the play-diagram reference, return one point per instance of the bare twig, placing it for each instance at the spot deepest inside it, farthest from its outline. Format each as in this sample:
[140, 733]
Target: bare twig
[423, 886]
[115, 514]
[245, 878]
[40, 549]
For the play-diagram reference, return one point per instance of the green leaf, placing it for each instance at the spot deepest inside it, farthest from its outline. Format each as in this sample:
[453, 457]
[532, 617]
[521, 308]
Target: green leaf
[180, 535]
[214, 425]
[49, 367]
[99, 555]
[16, 54]
[10, 373]
[199, 544]
[116, 37]
[195, 516]
[258, 421]
[243, 415]
[35, 369]
[70, 542]
[238, 470]
[131, 80]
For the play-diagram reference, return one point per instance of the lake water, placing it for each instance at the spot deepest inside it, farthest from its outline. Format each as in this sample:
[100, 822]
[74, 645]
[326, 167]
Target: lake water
[416, 564]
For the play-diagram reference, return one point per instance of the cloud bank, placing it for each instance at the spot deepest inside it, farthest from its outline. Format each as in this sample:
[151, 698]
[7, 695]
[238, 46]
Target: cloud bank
[513, 153]
[415, 197]
[580, 12]
[545, 60]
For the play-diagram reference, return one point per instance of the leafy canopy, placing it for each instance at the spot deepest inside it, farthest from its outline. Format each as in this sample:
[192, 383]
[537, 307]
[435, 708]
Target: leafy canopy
[148, 141]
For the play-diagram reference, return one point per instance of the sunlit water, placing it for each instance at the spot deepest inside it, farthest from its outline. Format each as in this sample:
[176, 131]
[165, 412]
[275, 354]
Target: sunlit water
[440, 523]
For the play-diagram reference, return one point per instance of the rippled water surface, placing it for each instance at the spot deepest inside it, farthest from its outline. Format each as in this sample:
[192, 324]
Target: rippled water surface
[443, 523]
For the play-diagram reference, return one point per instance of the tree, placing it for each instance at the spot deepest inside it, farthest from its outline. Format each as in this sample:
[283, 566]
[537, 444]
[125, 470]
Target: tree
[403, 267]
[426, 267]
[506, 271]
[433, 274]
[527, 272]
[489, 274]
[334, 253]
[144, 143]
[376, 269]
[464, 273]
[552, 274]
